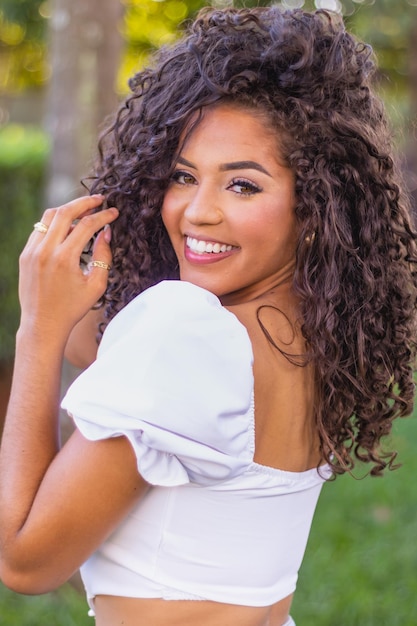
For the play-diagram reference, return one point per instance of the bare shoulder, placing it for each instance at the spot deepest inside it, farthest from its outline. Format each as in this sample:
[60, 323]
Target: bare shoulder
[285, 433]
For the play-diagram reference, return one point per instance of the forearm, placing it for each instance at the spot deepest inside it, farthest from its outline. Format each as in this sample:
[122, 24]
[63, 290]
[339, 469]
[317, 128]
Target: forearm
[31, 431]
[39, 487]
[56, 507]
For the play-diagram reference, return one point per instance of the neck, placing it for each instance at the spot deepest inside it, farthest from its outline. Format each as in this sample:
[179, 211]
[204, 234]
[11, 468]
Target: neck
[274, 287]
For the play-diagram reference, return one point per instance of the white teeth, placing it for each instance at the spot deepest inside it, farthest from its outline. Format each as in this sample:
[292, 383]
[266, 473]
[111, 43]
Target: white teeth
[201, 246]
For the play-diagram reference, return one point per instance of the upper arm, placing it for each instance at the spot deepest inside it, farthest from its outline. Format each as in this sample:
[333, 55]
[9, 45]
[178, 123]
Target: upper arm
[87, 491]
[81, 348]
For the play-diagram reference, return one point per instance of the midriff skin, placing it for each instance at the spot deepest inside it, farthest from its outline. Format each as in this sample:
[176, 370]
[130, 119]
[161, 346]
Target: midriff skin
[118, 611]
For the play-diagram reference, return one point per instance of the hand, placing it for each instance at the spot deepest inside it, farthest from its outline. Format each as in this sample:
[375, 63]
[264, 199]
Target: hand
[54, 291]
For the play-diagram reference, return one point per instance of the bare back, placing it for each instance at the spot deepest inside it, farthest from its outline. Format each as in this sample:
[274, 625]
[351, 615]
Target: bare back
[285, 435]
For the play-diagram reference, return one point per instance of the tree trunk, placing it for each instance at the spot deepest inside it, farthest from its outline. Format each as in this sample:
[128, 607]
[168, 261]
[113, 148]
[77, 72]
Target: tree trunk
[85, 51]
[85, 45]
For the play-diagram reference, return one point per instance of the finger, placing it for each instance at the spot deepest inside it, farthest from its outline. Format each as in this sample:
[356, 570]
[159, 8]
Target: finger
[48, 221]
[60, 220]
[41, 228]
[100, 264]
[88, 227]
[102, 256]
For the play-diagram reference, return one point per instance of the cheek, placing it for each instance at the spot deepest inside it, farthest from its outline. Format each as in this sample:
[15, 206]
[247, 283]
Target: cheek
[168, 213]
[272, 226]
[171, 218]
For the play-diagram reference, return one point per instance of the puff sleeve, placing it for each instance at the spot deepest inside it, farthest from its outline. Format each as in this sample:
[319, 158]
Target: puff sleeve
[174, 375]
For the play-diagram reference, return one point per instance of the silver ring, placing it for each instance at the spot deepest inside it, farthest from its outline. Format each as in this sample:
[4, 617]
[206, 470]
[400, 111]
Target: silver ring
[40, 227]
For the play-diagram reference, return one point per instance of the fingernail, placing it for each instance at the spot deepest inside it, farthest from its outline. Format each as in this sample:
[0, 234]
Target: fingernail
[107, 233]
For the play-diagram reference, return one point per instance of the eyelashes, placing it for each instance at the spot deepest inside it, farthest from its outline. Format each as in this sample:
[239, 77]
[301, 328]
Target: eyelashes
[240, 186]
[183, 178]
[244, 187]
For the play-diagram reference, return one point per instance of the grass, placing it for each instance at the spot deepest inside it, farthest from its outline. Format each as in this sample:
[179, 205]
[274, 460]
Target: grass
[65, 607]
[360, 567]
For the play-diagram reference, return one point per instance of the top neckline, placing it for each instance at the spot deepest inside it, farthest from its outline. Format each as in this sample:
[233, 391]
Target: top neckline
[323, 469]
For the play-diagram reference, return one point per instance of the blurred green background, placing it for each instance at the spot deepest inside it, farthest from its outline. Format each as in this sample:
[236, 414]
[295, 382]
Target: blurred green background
[64, 65]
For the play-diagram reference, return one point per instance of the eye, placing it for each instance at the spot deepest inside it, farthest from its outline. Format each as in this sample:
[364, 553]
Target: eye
[244, 187]
[183, 178]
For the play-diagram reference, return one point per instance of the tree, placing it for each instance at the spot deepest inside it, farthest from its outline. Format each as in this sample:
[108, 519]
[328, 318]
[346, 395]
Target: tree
[22, 45]
[85, 53]
[85, 48]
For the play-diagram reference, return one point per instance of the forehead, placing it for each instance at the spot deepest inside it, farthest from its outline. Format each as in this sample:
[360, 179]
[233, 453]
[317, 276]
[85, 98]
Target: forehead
[229, 129]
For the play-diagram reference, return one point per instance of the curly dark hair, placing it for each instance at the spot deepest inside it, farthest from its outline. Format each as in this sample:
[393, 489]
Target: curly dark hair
[355, 262]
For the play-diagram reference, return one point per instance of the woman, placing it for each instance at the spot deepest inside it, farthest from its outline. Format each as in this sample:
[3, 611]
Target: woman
[261, 300]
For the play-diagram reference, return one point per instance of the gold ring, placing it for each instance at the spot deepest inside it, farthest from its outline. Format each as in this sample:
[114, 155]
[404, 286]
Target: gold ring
[41, 227]
[101, 264]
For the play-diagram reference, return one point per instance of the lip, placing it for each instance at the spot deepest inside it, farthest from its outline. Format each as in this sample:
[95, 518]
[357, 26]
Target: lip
[204, 258]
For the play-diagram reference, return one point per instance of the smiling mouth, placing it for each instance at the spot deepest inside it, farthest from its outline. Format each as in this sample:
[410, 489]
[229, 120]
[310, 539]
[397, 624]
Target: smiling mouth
[203, 247]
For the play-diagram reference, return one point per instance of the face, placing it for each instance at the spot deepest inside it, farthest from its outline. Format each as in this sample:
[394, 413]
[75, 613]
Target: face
[229, 209]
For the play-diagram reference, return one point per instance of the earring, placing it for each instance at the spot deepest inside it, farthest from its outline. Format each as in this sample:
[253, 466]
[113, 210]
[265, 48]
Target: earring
[310, 238]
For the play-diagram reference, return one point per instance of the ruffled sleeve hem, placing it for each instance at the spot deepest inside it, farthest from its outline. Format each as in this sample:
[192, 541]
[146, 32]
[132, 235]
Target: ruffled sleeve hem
[174, 375]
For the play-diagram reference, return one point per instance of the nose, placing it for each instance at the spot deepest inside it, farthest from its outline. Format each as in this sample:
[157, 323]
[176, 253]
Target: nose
[204, 207]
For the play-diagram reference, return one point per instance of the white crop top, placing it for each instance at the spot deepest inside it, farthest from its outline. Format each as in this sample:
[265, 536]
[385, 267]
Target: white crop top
[174, 375]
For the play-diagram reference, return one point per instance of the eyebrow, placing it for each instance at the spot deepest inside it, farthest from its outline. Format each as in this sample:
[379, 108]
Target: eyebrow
[244, 165]
[235, 165]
